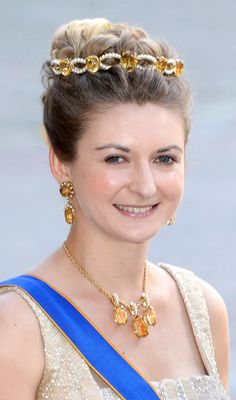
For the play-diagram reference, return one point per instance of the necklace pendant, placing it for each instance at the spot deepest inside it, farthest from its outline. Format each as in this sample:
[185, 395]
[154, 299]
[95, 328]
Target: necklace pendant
[140, 327]
[150, 316]
[120, 315]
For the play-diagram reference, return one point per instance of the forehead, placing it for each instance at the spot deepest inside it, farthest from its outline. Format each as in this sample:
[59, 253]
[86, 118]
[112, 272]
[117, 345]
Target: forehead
[135, 125]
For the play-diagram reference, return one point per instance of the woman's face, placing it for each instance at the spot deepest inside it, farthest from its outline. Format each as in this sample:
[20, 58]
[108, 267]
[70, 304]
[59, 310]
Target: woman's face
[129, 173]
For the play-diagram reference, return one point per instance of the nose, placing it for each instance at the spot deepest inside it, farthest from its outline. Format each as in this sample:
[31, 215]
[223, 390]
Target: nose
[142, 181]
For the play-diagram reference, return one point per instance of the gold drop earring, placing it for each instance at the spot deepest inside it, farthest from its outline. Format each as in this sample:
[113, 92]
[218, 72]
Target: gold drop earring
[171, 221]
[67, 190]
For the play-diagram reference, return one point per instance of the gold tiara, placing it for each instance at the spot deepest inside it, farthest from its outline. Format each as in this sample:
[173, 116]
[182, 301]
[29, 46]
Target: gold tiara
[129, 62]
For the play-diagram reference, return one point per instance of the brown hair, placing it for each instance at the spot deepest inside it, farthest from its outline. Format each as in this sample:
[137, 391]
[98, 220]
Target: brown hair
[71, 102]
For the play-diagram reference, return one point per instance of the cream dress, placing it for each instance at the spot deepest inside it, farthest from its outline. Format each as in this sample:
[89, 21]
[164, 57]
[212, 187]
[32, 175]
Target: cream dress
[68, 377]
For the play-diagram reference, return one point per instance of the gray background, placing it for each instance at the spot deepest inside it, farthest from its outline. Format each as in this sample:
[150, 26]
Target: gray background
[203, 238]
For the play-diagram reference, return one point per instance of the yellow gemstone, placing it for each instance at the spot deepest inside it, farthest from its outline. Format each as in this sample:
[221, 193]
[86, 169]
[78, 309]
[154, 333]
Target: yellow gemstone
[128, 62]
[150, 315]
[66, 189]
[140, 327]
[69, 214]
[92, 63]
[161, 64]
[120, 315]
[65, 67]
[179, 67]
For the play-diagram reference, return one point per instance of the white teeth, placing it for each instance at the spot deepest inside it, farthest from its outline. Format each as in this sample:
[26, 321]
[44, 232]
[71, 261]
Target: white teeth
[135, 210]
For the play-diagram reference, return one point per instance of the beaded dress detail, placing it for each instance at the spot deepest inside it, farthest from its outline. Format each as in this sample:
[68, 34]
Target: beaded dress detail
[67, 376]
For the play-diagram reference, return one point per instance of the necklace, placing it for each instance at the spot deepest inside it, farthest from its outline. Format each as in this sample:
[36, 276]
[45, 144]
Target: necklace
[142, 313]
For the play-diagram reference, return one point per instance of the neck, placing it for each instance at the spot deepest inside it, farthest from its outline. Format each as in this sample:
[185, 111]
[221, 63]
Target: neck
[117, 266]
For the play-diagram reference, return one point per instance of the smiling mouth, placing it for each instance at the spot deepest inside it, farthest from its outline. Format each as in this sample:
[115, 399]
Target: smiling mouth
[134, 210]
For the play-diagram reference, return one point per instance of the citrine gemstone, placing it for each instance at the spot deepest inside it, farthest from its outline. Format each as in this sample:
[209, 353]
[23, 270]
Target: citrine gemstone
[150, 315]
[69, 214]
[179, 67]
[66, 189]
[140, 327]
[92, 63]
[65, 67]
[128, 62]
[161, 64]
[120, 315]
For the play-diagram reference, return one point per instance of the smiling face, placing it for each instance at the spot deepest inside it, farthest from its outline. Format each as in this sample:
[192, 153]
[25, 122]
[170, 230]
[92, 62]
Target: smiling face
[129, 173]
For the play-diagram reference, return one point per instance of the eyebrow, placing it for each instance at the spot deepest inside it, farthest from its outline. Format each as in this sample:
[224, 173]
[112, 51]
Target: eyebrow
[113, 146]
[168, 148]
[127, 150]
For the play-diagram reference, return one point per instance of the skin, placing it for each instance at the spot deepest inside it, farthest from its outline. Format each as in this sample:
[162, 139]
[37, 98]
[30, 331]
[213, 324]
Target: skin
[113, 246]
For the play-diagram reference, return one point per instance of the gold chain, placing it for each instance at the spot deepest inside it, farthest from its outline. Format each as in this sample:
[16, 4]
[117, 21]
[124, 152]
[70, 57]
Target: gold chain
[85, 273]
[140, 323]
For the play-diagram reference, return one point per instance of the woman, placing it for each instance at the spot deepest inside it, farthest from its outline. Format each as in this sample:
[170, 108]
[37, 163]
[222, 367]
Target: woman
[109, 324]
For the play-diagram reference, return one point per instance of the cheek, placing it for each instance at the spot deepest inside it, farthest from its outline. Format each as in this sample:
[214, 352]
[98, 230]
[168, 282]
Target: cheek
[172, 184]
[100, 183]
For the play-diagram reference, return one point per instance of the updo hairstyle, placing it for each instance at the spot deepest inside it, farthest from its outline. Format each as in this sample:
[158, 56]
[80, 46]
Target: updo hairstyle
[71, 102]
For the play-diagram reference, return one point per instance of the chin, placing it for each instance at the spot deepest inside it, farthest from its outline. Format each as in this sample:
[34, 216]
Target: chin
[139, 237]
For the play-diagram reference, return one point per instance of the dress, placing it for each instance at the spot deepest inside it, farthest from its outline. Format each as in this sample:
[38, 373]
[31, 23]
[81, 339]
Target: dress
[68, 377]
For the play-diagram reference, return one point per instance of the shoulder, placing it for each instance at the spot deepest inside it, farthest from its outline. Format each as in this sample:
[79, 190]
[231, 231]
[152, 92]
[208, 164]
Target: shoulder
[219, 324]
[217, 312]
[21, 347]
[215, 303]
[14, 311]
[17, 319]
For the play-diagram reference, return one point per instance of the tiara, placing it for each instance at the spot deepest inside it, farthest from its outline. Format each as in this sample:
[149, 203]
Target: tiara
[129, 62]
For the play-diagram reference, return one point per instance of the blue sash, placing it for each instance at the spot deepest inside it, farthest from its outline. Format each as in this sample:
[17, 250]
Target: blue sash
[97, 352]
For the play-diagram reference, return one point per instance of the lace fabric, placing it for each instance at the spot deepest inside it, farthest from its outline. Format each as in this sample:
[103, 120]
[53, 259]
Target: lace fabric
[68, 377]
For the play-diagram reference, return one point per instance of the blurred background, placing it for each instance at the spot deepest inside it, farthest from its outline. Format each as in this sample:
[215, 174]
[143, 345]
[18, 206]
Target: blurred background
[204, 34]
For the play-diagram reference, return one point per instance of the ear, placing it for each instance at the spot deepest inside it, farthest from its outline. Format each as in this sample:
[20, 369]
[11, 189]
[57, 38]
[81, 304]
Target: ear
[59, 169]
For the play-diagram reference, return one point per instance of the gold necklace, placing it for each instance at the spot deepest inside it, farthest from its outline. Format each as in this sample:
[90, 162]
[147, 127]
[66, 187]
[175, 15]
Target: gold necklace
[142, 312]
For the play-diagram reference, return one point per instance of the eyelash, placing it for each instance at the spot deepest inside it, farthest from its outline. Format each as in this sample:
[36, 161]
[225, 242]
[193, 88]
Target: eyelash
[169, 158]
[111, 159]
[114, 159]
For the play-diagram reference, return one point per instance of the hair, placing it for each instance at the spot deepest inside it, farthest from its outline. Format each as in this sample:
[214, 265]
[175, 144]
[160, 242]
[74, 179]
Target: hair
[70, 103]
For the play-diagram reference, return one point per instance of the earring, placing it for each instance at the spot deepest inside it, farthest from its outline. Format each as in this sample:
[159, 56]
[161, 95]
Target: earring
[67, 190]
[171, 221]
